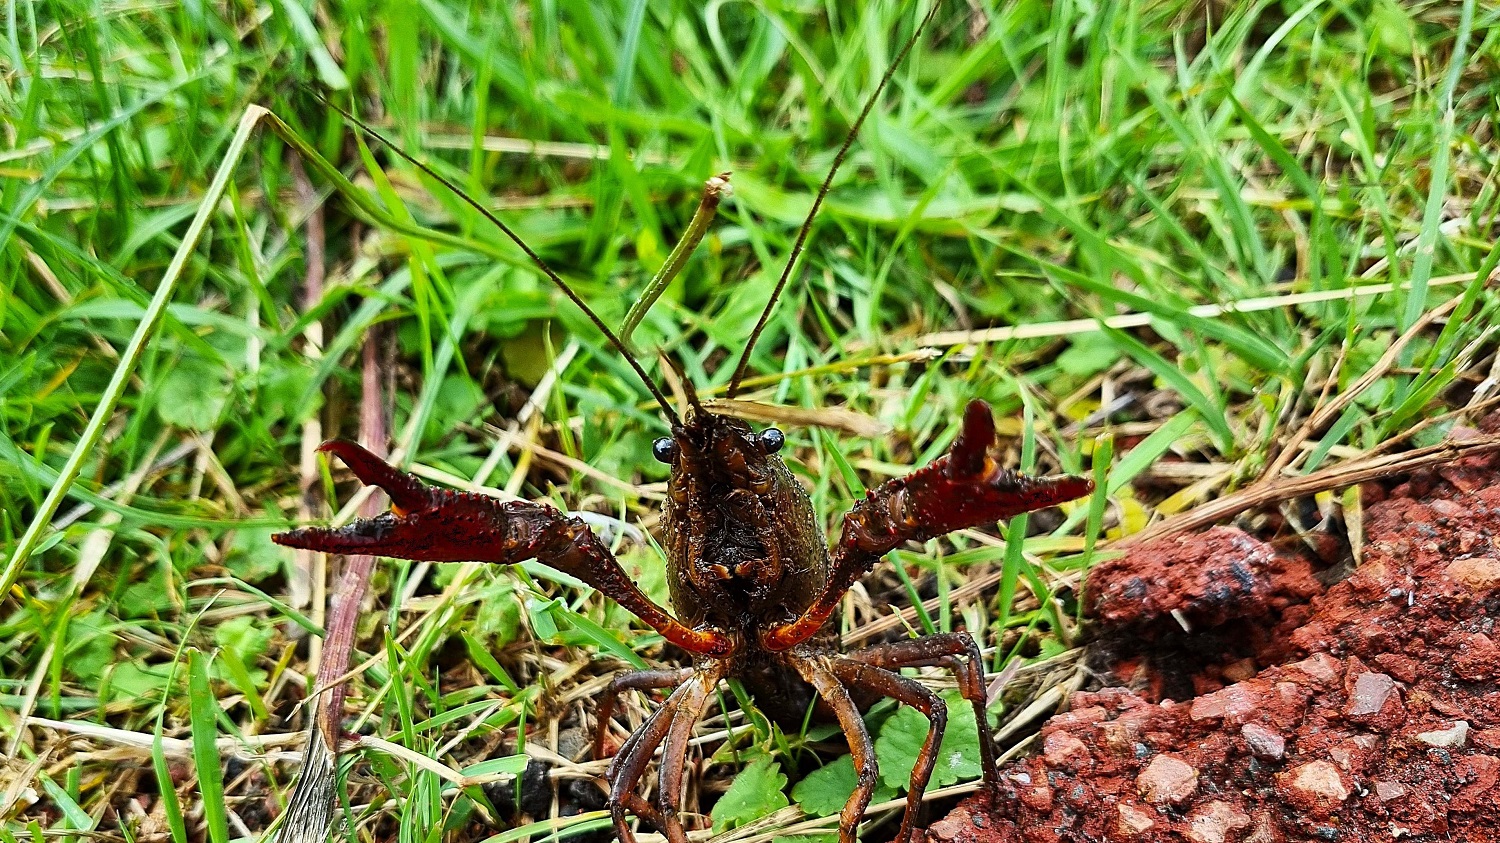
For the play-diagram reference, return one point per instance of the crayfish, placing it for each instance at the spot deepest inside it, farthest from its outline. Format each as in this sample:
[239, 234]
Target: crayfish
[752, 581]
[755, 589]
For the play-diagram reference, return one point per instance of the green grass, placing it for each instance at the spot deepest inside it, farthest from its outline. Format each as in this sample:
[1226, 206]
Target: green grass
[1031, 163]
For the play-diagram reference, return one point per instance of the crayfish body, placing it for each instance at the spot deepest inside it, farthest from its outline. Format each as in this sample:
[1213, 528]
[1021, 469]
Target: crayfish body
[754, 586]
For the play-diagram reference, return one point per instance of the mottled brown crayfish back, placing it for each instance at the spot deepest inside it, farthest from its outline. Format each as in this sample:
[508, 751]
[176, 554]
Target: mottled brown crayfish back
[744, 548]
[745, 552]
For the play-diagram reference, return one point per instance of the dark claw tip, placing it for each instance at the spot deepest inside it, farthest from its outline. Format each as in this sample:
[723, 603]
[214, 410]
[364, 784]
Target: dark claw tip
[377, 535]
[305, 538]
[407, 492]
[974, 440]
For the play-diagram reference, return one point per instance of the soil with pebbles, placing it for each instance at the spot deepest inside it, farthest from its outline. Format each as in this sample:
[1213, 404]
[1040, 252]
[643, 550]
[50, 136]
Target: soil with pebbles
[1255, 703]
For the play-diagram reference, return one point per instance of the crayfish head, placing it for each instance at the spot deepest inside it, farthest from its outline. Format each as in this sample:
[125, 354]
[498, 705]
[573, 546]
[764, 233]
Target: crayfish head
[744, 547]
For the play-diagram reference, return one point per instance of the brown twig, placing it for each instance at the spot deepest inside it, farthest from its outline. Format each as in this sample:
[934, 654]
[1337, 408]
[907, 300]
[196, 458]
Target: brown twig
[338, 644]
[309, 813]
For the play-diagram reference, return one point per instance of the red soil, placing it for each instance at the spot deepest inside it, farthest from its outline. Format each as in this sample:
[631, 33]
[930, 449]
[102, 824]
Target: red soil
[1366, 711]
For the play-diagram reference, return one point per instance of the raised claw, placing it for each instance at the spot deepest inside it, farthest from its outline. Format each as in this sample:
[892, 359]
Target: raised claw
[966, 487]
[425, 523]
[428, 524]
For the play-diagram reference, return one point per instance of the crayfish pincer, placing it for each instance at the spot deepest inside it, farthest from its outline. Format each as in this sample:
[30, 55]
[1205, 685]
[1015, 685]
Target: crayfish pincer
[754, 586]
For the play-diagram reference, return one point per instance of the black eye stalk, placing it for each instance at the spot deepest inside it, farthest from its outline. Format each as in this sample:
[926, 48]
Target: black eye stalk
[772, 439]
[664, 449]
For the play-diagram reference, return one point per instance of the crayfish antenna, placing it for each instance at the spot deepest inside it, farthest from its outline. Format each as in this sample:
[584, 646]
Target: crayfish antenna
[812, 214]
[536, 259]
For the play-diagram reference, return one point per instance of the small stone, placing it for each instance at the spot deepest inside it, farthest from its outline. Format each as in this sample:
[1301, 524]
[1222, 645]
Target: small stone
[1316, 787]
[1320, 667]
[1263, 830]
[1291, 701]
[1207, 707]
[1387, 791]
[1481, 573]
[1488, 738]
[1038, 798]
[1167, 780]
[1240, 671]
[1453, 737]
[1470, 539]
[1062, 750]
[1446, 508]
[1081, 716]
[1477, 658]
[1233, 703]
[1133, 821]
[947, 828]
[1404, 668]
[1216, 822]
[1480, 774]
[1264, 742]
[1120, 736]
[1371, 691]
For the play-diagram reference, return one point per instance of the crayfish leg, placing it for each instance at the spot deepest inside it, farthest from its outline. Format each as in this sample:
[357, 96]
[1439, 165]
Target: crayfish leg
[816, 670]
[636, 680]
[672, 723]
[866, 677]
[955, 651]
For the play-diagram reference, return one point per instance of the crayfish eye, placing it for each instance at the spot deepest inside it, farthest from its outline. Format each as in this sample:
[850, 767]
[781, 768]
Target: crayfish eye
[772, 439]
[664, 449]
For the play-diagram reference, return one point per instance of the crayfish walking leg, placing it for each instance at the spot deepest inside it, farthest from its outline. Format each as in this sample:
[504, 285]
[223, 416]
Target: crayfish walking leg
[957, 652]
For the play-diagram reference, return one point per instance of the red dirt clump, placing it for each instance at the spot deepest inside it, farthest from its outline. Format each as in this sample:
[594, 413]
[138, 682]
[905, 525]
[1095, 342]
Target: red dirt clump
[1384, 727]
[1206, 579]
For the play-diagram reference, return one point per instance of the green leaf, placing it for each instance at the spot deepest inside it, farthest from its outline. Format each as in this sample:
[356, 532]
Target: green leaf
[90, 647]
[754, 793]
[242, 637]
[498, 616]
[130, 680]
[823, 792]
[283, 390]
[193, 395]
[252, 555]
[902, 736]
[1088, 355]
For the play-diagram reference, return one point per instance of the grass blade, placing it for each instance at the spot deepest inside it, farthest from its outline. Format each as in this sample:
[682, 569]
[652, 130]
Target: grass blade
[203, 711]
